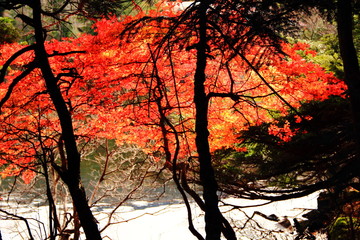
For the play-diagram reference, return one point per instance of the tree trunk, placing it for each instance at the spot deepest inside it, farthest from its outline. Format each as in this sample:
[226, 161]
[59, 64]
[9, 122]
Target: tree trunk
[213, 221]
[351, 66]
[70, 175]
[349, 58]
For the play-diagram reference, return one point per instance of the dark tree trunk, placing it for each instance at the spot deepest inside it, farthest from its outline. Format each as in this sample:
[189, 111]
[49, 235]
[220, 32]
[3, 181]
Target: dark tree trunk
[351, 69]
[351, 65]
[213, 221]
[70, 175]
[349, 57]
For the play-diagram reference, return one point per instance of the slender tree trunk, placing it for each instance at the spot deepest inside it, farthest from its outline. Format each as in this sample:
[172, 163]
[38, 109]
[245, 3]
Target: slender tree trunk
[351, 65]
[213, 221]
[349, 57]
[70, 175]
[53, 219]
[351, 70]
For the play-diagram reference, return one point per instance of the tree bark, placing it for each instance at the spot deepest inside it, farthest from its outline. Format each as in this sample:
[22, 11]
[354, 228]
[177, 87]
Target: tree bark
[351, 64]
[349, 57]
[213, 221]
[70, 175]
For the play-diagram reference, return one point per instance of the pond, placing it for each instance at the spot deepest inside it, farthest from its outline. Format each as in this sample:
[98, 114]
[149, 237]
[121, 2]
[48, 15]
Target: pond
[154, 211]
[163, 220]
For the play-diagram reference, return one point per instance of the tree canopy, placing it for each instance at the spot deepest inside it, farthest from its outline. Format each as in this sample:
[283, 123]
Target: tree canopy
[110, 86]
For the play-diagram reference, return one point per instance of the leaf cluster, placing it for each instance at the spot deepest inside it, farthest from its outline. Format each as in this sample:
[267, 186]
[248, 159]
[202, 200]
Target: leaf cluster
[322, 153]
[8, 32]
[108, 8]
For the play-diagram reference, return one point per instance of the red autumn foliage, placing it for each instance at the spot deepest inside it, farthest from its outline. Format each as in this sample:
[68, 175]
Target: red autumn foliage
[122, 88]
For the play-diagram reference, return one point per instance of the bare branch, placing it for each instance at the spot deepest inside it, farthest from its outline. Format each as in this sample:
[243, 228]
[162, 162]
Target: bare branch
[26, 72]
[12, 59]
[16, 217]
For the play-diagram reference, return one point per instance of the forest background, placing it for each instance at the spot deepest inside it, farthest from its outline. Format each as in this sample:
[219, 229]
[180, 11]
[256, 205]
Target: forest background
[105, 101]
